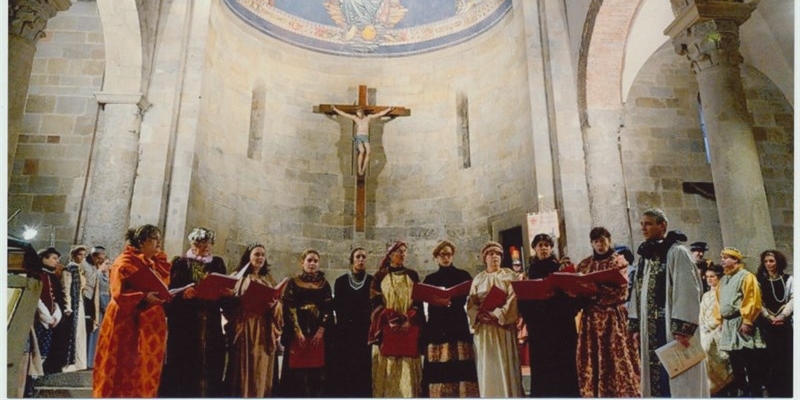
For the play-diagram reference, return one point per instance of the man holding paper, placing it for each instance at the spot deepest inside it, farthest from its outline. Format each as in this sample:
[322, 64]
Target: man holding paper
[666, 297]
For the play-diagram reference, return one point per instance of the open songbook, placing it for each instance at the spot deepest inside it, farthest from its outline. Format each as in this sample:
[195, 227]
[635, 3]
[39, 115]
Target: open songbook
[211, 287]
[145, 280]
[429, 293]
[258, 298]
[578, 283]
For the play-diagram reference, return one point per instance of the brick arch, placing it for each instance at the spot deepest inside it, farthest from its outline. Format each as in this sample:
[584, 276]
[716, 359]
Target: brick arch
[602, 55]
[122, 36]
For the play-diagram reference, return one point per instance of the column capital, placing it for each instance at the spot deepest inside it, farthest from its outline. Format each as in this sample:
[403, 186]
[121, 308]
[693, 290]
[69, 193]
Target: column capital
[28, 18]
[707, 31]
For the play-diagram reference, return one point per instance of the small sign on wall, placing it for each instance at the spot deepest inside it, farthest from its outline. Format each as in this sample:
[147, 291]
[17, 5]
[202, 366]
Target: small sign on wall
[543, 222]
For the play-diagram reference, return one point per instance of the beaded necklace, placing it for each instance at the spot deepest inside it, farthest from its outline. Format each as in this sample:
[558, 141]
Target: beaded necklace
[785, 294]
[355, 284]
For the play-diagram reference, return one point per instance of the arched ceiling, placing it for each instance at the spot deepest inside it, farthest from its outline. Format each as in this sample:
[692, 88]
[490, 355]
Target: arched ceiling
[371, 28]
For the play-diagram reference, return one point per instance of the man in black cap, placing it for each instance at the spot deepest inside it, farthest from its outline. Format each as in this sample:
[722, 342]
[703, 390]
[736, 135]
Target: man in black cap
[698, 250]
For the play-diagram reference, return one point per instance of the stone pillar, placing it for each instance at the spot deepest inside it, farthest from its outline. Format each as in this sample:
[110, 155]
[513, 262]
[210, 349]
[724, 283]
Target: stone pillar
[114, 164]
[27, 20]
[708, 35]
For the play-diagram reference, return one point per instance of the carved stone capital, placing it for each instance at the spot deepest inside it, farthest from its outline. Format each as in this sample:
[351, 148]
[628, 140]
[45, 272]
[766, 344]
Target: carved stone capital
[710, 43]
[28, 18]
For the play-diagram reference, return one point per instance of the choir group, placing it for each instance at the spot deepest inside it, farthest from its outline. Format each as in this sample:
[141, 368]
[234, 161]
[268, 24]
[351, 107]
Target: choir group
[211, 333]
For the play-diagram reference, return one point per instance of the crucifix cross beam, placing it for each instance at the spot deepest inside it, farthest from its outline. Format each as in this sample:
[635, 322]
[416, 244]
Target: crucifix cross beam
[361, 114]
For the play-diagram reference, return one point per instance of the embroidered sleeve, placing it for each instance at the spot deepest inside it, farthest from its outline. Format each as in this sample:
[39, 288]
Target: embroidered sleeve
[682, 327]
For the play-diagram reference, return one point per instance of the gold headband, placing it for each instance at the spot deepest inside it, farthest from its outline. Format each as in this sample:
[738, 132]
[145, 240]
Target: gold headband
[732, 252]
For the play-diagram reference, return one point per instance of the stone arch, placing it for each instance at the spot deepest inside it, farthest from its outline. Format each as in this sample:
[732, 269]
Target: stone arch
[122, 35]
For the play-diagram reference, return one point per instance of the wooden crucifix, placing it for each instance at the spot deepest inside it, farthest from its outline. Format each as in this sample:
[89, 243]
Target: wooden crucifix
[361, 114]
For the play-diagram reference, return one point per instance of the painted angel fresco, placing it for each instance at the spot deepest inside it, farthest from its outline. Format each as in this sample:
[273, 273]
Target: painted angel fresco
[365, 18]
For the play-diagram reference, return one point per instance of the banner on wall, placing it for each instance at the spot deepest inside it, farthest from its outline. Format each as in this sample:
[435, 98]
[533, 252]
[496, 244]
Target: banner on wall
[543, 222]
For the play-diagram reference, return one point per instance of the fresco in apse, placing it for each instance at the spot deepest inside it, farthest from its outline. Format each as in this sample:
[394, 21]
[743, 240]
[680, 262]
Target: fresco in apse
[371, 28]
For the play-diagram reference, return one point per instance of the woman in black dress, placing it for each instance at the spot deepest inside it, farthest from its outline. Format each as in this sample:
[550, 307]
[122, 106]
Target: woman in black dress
[350, 369]
[449, 364]
[776, 321]
[195, 342]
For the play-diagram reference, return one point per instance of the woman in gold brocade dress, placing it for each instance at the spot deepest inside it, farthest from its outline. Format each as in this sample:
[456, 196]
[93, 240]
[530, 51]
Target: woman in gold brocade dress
[393, 309]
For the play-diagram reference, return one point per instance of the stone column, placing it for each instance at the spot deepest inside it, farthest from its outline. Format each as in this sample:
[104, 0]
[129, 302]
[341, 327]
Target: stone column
[708, 35]
[113, 171]
[27, 20]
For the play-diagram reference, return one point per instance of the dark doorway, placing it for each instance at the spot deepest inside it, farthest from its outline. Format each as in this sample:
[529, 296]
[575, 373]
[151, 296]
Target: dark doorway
[509, 238]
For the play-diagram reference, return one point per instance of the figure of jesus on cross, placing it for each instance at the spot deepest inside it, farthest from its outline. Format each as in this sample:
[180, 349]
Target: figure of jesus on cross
[361, 137]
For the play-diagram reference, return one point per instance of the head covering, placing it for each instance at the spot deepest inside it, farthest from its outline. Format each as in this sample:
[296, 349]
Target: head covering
[200, 234]
[732, 252]
[542, 237]
[625, 251]
[46, 252]
[76, 248]
[699, 246]
[491, 245]
[387, 258]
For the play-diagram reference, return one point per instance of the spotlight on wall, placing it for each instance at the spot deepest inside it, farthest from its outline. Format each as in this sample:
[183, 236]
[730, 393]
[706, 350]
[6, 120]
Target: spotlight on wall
[30, 232]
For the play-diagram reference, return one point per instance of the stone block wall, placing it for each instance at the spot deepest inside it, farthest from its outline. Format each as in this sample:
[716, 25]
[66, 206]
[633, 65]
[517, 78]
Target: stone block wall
[300, 194]
[662, 147]
[48, 175]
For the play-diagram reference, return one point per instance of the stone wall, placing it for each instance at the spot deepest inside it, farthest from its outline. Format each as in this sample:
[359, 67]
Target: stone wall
[300, 193]
[662, 147]
[49, 171]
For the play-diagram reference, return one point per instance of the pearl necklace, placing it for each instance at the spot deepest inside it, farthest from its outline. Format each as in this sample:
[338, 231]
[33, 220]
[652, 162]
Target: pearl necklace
[785, 295]
[356, 285]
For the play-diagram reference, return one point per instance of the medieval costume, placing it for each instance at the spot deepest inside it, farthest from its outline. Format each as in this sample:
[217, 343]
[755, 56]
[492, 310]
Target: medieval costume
[552, 336]
[739, 300]
[607, 360]
[49, 316]
[130, 350]
[449, 368]
[395, 375]
[496, 353]
[777, 300]
[74, 328]
[253, 340]
[91, 305]
[666, 300]
[195, 344]
[718, 365]
[351, 356]
[306, 308]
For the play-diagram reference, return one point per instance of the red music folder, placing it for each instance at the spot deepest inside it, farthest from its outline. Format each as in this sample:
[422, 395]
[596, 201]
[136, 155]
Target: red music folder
[578, 282]
[258, 296]
[533, 289]
[145, 280]
[211, 287]
[400, 343]
[308, 355]
[429, 293]
[495, 298]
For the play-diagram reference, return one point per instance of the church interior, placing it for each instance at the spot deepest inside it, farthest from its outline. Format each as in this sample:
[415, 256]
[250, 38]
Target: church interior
[216, 113]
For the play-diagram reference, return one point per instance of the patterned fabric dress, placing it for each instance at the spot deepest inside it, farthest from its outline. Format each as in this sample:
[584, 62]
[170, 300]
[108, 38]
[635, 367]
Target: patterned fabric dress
[130, 350]
[74, 325]
[195, 343]
[718, 365]
[608, 362]
[496, 353]
[394, 376]
[306, 308]
[449, 368]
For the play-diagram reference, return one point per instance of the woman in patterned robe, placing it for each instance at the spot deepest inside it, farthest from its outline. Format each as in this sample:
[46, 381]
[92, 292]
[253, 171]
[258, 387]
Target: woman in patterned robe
[449, 369]
[195, 344]
[495, 338]
[607, 360]
[130, 350]
[393, 309]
